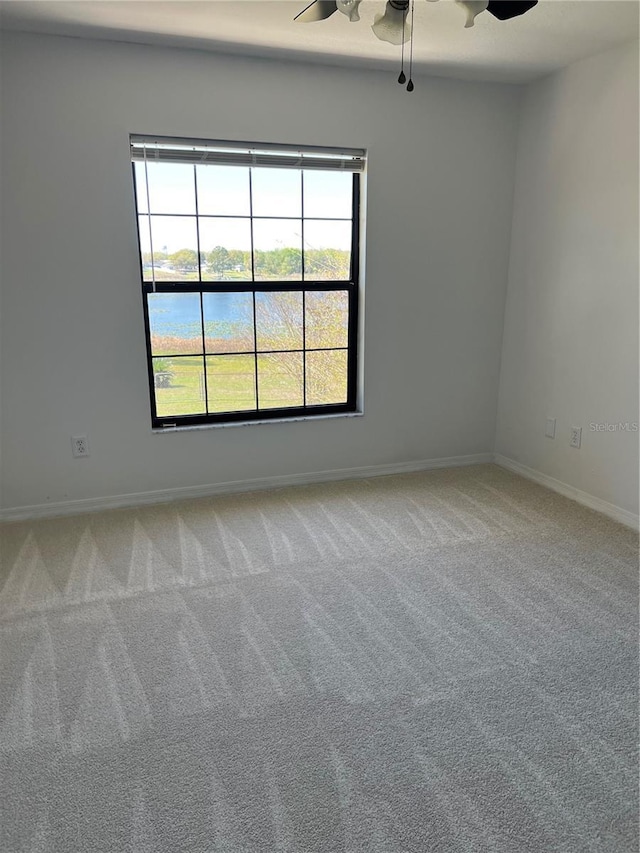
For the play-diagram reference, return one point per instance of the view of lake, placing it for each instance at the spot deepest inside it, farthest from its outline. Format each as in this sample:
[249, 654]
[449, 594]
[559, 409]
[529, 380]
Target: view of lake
[285, 321]
[178, 314]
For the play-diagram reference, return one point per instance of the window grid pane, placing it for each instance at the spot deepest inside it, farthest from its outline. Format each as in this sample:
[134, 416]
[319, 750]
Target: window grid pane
[175, 323]
[231, 383]
[280, 380]
[325, 377]
[179, 385]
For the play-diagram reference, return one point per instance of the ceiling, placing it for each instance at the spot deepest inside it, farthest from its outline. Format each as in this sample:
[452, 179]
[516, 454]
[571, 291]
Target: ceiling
[550, 36]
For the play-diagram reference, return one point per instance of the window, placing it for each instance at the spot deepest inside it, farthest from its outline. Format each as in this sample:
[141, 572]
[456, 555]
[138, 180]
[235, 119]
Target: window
[249, 265]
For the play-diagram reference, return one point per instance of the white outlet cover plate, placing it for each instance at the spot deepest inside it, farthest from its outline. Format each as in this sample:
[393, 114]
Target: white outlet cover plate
[576, 437]
[79, 446]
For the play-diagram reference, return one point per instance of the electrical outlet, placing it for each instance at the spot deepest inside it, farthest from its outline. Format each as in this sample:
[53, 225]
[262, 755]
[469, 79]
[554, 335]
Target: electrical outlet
[576, 437]
[550, 429]
[79, 445]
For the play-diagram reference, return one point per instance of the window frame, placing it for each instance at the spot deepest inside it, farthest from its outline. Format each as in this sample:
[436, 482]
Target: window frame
[351, 286]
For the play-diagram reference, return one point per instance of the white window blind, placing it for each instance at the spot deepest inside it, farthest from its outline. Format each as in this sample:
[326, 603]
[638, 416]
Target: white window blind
[173, 150]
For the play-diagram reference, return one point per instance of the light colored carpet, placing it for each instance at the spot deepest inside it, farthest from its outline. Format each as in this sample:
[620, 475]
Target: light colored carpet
[437, 662]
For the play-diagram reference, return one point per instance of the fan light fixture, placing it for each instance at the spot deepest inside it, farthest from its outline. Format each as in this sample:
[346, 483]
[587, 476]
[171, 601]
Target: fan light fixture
[392, 26]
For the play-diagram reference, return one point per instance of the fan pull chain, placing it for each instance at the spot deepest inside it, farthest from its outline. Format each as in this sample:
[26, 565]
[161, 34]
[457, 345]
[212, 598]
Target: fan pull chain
[401, 78]
[410, 83]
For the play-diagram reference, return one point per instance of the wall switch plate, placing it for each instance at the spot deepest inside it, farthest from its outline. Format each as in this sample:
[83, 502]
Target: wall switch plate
[79, 445]
[576, 437]
[550, 429]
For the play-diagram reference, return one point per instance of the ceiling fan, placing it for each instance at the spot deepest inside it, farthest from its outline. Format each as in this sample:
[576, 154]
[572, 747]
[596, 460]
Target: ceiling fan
[392, 25]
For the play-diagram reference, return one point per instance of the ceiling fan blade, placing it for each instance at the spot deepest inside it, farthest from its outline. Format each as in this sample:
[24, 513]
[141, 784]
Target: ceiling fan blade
[318, 10]
[503, 10]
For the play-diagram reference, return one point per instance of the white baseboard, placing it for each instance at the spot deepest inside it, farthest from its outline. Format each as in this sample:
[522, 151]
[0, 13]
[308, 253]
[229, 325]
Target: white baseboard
[584, 498]
[50, 510]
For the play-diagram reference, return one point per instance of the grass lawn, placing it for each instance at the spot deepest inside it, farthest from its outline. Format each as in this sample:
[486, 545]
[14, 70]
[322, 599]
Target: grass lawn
[231, 384]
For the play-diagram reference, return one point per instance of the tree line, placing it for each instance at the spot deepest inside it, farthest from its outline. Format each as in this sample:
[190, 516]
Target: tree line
[276, 263]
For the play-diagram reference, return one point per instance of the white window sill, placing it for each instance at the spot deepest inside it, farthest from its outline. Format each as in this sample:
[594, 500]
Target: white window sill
[193, 427]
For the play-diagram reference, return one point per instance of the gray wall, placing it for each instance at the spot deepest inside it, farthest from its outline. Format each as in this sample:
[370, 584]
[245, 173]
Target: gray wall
[571, 327]
[440, 186]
